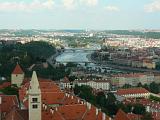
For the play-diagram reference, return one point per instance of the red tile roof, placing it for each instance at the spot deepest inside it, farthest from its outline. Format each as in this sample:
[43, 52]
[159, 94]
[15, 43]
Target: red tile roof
[132, 91]
[51, 94]
[133, 116]
[7, 102]
[73, 112]
[17, 70]
[5, 84]
[69, 107]
[17, 114]
[121, 115]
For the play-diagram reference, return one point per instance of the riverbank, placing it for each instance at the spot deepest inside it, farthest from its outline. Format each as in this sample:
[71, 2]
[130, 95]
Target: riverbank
[120, 67]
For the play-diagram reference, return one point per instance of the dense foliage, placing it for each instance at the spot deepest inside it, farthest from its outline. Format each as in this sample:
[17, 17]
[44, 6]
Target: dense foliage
[107, 102]
[155, 35]
[11, 90]
[26, 54]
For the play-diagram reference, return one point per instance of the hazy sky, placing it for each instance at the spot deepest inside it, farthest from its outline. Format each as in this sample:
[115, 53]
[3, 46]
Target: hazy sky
[80, 14]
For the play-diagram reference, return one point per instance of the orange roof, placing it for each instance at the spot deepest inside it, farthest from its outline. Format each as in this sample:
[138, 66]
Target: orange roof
[132, 91]
[17, 114]
[73, 112]
[5, 84]
[133, 116]
[121, 115]
[71, 107]
[53, 97]
[7, 102]
[17, 70]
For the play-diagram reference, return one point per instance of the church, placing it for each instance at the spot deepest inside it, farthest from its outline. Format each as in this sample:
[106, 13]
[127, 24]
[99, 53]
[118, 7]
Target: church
[42, 99]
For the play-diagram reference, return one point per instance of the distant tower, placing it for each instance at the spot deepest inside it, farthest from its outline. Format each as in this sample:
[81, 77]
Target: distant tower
[17, 76]
[34, 98]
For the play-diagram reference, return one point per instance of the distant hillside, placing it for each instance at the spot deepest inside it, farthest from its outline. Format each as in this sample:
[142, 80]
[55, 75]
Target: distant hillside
[155, 35]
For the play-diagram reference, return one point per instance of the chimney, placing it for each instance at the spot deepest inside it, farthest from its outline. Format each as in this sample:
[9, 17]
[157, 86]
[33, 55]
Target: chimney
[45, 107]
[0, 100]
[78, 100]
[104, 116]
[52, 111]
[97, 111]
[88, 106]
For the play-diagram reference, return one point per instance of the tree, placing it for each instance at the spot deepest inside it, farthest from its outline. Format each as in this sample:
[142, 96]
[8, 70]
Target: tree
[139, 109]
[127, 108]
[101, 99]
[72, 78]
[125, 86]
[11, 90]
[111, 99]
[155, 88]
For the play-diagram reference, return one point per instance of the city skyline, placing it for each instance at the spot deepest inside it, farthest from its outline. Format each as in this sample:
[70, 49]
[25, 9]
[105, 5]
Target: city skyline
[80, 14]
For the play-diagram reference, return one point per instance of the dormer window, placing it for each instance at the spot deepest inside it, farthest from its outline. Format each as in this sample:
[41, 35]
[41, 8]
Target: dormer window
[34, 106]
[34, 99]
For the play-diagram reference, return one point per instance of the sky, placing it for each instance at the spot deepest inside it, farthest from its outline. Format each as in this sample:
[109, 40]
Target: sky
[80, 14]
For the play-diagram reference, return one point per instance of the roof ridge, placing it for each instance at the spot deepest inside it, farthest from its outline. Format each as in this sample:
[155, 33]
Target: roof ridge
[60, 114]
[19, 114]
[85, 113]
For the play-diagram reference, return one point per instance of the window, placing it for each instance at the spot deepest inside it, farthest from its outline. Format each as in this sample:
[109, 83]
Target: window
[34, 106]
[34, 100]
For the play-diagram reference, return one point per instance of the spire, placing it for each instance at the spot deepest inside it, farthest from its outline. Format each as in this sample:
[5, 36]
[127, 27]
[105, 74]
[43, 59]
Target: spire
[34, 98]
[34, 84]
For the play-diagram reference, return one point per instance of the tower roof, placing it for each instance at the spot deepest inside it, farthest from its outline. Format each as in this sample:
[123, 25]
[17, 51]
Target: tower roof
[34, 84]
[17, 70]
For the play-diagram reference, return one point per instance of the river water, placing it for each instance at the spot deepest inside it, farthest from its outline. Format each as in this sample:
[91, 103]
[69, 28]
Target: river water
[77, 56]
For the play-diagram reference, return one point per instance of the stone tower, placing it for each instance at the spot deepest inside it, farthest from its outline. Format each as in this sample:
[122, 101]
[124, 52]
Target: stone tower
[17, 76]
[34, 95]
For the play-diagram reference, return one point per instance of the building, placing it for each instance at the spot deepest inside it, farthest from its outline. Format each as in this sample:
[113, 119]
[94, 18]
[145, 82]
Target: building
[34, 98]
[17, 76]
[121, 115]
[134, 93]
[133, 79]
[94, 83]
[149, 64]
[42, 99]
[6, 103]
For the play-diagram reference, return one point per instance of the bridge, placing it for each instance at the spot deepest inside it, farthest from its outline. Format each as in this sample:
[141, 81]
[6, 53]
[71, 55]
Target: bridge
[68, 50]
[74, 62]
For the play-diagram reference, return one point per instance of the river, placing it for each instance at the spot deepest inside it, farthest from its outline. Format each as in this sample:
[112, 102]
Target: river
[78, 56]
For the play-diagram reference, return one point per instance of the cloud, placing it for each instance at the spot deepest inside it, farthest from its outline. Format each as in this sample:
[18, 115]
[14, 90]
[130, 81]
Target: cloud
[72, 4]
[69, 4]
[23, 6]
[89, 2]
[112, 8]
[153, 7]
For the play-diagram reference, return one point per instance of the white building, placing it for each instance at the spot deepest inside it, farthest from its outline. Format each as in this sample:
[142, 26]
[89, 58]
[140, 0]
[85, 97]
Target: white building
[17, 76]
[96, 83]
[134, 93]
[34, 98]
